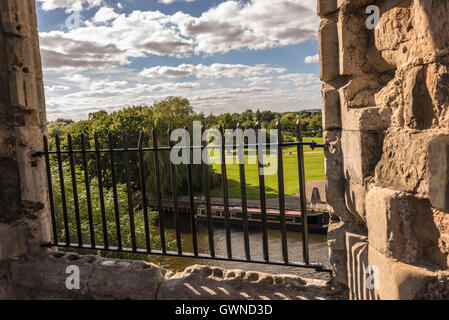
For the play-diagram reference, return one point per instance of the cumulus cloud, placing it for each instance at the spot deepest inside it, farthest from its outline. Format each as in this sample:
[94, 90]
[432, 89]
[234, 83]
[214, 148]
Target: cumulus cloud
[56, 88]
[214, 71]
[171, 1]
[104, 84]
[70, 5]
[258, 24]
[104, 14]
[111, 39]
[300, 79]
[113, 44]
[95, 57]
[210, 99]
[312, 59]
[259, 81]
[76, 78]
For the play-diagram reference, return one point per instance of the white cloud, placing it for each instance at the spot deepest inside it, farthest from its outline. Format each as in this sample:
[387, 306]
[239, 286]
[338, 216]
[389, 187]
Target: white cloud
[114, 94]
[56, 88]
[104, 14]
[312, 59]
[70, 5]
[89, 66]
[171, 1]
[259, 81]
[100, 46]
[301, 79]
[258, 24]
[214, 71]
[76, 78]
[111, 39]
[105, 84]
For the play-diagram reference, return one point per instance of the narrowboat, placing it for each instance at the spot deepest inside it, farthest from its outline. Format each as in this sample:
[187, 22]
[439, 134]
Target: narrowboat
[318, 221]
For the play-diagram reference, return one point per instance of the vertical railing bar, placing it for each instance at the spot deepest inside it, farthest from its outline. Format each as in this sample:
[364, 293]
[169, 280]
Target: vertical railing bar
[225, 192]
[159, 192]
[62, 186]
[88, 196]
[144, 193]
[100, 191]
[175, 198]
[302, 192]
[191, 196]
[114, 192]
[129, 192]
[75, 191]
[50, 191]
[241, 162]
[263, 203]
[208, 199]
[281, 194]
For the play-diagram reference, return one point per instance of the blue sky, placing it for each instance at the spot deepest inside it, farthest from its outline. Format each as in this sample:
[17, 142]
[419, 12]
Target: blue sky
[224, 55]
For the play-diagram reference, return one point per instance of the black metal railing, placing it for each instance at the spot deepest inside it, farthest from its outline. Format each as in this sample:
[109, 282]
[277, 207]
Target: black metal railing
[125, 151]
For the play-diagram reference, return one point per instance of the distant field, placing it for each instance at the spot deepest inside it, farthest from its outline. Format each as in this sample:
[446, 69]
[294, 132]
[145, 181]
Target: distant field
[314, 167]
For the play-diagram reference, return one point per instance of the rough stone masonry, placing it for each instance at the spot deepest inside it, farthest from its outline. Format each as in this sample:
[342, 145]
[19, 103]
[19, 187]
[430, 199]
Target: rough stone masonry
[386, 123]
[24, 220]
[28, 271]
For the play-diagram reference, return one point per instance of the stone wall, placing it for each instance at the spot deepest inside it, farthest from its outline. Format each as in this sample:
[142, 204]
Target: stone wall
[44, 276]
[23, 197]
[386, 122]
[28, 271]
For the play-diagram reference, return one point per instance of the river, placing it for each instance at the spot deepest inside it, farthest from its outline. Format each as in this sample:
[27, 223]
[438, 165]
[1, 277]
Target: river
[318, 249]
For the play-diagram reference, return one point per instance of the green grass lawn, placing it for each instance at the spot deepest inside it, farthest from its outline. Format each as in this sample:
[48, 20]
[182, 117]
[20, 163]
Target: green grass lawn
[314, 167]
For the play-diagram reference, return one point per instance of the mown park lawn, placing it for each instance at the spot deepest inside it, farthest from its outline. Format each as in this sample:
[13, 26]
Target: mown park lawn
[314, 167]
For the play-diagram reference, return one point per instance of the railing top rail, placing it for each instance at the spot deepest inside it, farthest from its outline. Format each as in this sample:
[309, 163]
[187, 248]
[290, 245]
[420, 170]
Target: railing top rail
[313, 145]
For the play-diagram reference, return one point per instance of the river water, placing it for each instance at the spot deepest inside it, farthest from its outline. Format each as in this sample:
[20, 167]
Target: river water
[318, 249]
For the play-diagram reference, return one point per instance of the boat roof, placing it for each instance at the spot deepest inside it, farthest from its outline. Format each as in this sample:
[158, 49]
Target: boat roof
[257, 210]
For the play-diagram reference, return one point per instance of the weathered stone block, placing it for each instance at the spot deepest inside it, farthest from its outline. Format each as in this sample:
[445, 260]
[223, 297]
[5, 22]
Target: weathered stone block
[17, 93]
[40, 98]
[335, 182]
[48, 273]
[402, 227]
[326, 7]
[353, 43]
[5, 99]
[439, 172]
[328, 50]
[361, 152]
[20, 53]
[418, 108]
[15, 15]
[122, 279]
[404, 164]
[355, 199]
[10, 195]
[213, 283]
[23, 90]
[37, 62]
[397, 280]
[376, 119]
[355, 4]
[357, 262]
[336, 239]
[331, 108]
[99, 278]
[12, 240]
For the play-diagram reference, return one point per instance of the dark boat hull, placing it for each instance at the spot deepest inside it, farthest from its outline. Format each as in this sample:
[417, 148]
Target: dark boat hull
[294, 227]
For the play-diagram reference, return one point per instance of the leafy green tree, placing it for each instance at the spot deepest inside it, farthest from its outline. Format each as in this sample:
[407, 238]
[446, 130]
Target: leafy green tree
[111, 226]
